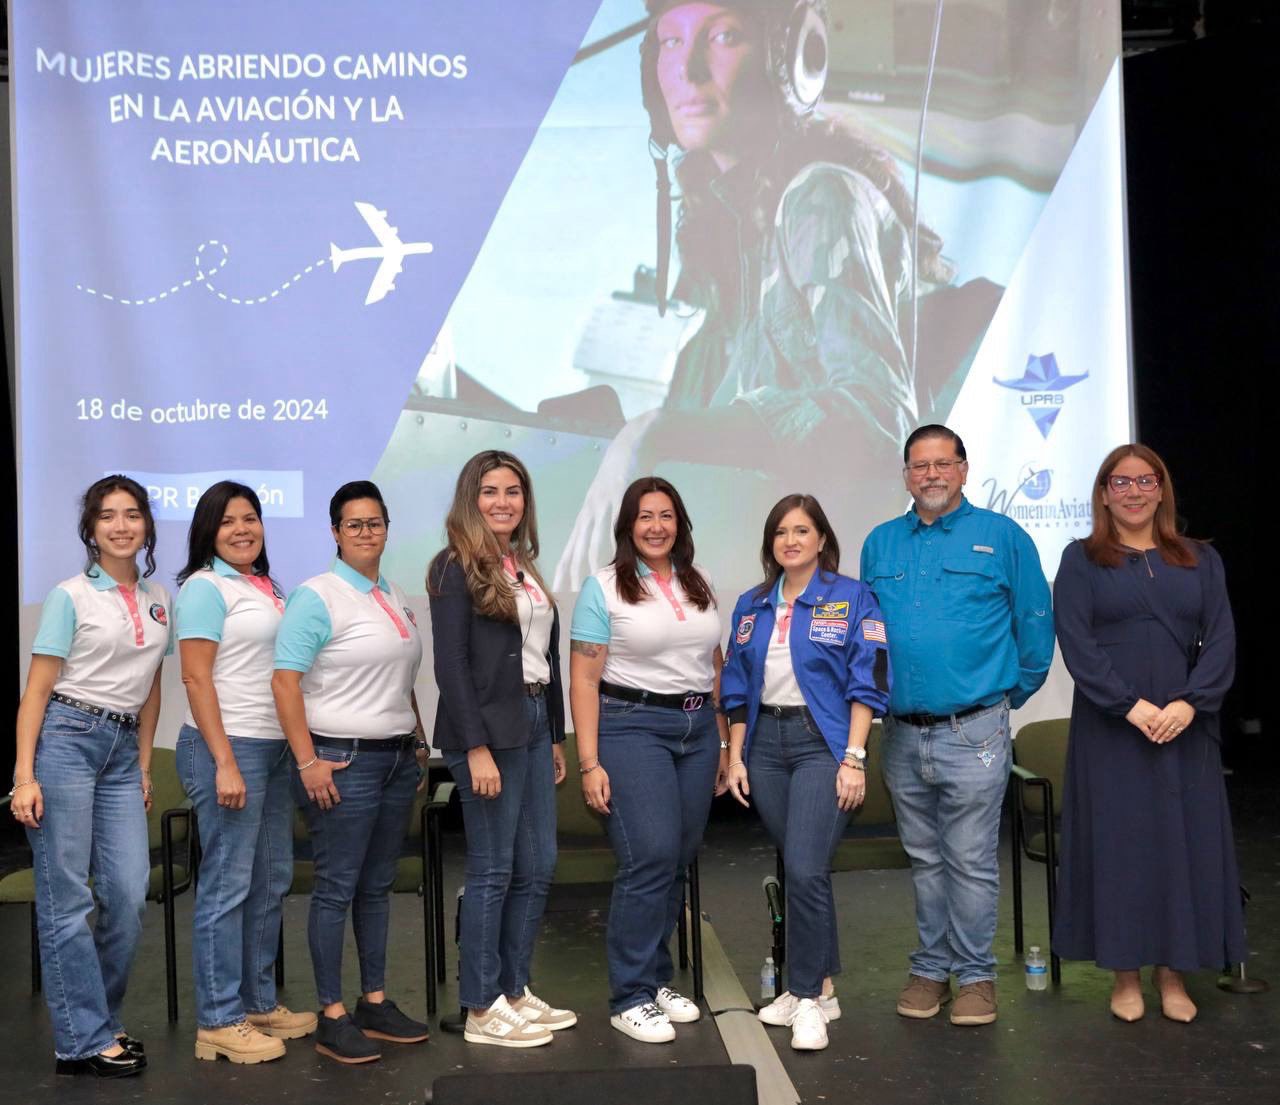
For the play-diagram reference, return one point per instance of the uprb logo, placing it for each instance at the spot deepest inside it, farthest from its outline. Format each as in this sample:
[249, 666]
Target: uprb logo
[1042, 385]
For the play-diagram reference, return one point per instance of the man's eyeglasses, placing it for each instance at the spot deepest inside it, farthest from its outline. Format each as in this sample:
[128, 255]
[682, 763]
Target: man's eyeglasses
[353, 527]
[1149, 481]
[944, 467]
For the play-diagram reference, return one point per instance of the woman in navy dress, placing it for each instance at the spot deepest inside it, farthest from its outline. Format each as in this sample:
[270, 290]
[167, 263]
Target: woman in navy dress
[1148, 862]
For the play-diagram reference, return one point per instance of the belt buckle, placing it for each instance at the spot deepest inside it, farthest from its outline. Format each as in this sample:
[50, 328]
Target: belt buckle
[693, 702]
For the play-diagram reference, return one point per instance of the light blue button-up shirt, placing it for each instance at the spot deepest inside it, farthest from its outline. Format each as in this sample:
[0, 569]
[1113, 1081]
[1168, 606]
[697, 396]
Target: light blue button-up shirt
[967, 609]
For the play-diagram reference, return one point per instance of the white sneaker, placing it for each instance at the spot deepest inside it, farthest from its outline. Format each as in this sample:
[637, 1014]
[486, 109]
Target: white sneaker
[677, 1007]
[808, 1027]
[783, 1008]
[533, 1008]
[503, 1026]
[646, 1023]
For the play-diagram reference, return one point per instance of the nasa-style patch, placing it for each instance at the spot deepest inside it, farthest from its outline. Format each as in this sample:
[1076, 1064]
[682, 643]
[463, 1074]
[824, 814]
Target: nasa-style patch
[831, 610]
[409, 614]
[158, 614]
[745, 628]
[830, 631]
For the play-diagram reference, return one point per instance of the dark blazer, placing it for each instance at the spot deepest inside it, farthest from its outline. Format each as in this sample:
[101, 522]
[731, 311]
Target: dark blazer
[478, 669]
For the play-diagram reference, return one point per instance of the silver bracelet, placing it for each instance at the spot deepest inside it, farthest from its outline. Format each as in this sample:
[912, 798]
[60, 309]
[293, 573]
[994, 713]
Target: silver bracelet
[737, 763]
[25, 783]
[313, 760]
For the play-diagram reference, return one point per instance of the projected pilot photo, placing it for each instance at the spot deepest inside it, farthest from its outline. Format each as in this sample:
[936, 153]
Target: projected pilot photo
[796, 304]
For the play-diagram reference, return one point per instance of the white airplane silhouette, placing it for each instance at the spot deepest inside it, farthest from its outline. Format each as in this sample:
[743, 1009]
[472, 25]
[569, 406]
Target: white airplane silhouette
[390, 251]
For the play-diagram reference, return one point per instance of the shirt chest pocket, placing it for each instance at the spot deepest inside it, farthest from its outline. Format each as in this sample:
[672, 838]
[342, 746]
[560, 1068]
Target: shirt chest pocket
[888, 579]
[971, 585]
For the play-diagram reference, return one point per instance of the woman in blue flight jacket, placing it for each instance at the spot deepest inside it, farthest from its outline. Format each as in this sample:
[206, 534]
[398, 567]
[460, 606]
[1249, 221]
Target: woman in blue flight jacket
[807, 671]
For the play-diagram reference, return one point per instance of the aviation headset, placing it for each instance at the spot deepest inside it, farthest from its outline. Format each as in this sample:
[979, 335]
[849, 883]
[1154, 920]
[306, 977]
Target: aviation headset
[795, 33]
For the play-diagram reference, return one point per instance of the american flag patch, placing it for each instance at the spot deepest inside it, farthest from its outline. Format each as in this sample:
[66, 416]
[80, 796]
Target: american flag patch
[873, 631]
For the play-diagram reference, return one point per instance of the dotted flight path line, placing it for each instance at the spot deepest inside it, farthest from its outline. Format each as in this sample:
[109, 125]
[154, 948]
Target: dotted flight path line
[204, 276]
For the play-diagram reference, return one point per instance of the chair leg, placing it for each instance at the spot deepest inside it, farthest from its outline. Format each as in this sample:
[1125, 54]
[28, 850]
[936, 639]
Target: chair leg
[1016, 865]
[437, 866]
[780, 930]
[428, 916]
[682, 928]
[170, 935]
[695, 921]
[280, 955]
[1051, 882]
[37, 980]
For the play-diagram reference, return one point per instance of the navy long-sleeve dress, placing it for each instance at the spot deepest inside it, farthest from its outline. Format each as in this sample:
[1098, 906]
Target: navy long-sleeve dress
[1148, 871]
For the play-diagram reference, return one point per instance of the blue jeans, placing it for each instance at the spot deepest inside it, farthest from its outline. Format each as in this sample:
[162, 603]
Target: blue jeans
[356, 845]
[792, 775]
[662, 772]
[511, 858]
[947, 782]
[94, 826]
[246, 866]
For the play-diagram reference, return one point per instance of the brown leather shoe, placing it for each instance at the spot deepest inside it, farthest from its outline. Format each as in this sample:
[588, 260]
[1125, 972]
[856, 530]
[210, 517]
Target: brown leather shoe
[241, 1043]
[283, 1023]
[975, 1004]
[921, 998]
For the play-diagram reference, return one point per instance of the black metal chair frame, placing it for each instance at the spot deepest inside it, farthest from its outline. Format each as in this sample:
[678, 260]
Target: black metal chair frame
[1049, 857]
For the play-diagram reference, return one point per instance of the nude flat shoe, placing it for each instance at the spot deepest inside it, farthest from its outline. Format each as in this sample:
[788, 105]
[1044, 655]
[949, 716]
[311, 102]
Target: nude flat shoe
[1128, 1006]
[1175, 1004]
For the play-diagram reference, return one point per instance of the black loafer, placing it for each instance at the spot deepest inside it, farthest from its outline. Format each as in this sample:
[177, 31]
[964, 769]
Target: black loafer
[340, 1039]
[104, 1066]
[383, 1021]
[132, 1045]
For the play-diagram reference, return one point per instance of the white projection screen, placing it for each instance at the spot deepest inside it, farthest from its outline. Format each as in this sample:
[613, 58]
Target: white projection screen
[373, 241]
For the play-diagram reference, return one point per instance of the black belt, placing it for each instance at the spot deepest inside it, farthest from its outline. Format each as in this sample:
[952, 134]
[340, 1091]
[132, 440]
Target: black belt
[783, 711]
[688, 701]
[96, 711]
[535, 690]
[365, 744]
[923, 721]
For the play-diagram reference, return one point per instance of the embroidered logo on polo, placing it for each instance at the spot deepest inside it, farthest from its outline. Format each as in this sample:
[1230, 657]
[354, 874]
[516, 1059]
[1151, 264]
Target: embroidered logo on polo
[158, 613]
[409, 614]
[745, 628]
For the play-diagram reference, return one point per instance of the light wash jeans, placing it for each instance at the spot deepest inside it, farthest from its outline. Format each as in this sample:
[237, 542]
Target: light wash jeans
[511, 858]
[246, 867]
[947, 782]
[94, 826]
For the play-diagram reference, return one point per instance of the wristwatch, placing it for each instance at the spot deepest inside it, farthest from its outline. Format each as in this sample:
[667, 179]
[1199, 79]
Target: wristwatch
[855, 757]
[724, 746]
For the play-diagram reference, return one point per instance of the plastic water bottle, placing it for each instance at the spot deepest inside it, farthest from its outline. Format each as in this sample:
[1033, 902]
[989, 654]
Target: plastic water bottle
[1037, 973]
[768, 987]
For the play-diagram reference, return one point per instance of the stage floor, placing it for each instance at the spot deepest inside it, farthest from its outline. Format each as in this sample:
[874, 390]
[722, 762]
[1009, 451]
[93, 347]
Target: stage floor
[1056, 1046]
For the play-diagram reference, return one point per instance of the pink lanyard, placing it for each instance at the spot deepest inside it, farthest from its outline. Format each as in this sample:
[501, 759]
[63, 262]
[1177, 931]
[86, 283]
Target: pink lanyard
[664, 585]
[130, 596]
[784, 622]
[377, 594]
[509, 566]
[263, 584]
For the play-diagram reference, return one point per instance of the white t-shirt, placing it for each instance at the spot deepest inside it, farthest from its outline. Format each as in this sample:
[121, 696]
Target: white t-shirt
[220, 604]
[359, 647]
[536, 615]
[111, 639]
[663, 644]
[780, 687]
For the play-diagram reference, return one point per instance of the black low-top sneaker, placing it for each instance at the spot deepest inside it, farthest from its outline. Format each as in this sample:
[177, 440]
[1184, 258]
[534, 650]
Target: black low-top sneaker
[341, 1039]
[104, 1066]
[383, 1021]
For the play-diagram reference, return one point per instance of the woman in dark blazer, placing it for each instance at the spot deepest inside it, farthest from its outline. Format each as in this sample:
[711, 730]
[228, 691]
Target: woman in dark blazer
[500, 724]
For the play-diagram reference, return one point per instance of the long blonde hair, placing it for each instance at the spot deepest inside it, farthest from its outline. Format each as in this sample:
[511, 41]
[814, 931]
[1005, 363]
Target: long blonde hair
[474, 547]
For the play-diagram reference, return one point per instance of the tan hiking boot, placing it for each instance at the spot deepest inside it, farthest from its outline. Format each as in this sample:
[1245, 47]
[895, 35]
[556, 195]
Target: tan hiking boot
[283, 1023]
[921, 998]
[241, 1043]
[975, 1004]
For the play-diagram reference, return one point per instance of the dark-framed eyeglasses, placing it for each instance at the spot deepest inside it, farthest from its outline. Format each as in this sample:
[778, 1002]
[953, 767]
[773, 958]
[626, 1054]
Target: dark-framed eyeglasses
[353, 527]
[1148, 482]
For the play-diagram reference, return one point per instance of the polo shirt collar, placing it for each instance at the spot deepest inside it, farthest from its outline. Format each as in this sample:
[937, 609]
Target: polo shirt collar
[348, 574]
[103, 582]
[222, 568]
[946, 521]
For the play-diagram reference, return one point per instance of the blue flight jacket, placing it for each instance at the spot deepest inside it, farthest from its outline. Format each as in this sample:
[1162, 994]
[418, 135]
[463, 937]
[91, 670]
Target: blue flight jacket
[838, 651]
